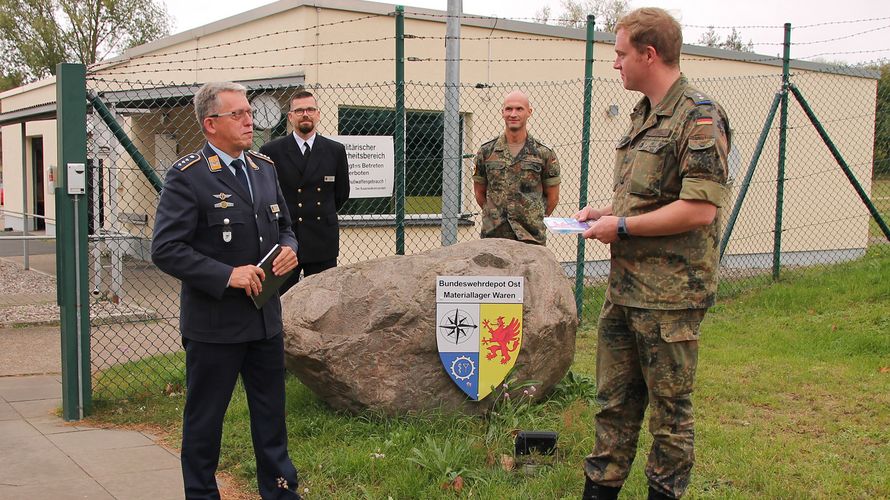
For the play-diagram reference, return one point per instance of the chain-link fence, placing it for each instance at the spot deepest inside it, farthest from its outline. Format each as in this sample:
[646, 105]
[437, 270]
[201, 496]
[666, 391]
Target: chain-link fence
[138, 129]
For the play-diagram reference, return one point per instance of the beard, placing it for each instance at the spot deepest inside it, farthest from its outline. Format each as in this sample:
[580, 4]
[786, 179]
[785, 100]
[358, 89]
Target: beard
[306, 127]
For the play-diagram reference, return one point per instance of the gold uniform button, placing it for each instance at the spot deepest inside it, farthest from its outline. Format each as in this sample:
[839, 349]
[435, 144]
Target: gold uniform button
[300, 205]
[318, 218]
[319, 189]
[318, 203]
[299, 219]
[299, 190]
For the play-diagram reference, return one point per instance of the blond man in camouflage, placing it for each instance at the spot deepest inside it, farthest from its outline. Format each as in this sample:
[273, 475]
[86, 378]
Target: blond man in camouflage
[662, 224]
[516, 180]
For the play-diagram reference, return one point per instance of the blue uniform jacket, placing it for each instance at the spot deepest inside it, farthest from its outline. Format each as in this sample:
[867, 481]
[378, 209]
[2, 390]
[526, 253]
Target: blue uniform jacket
[205, 226]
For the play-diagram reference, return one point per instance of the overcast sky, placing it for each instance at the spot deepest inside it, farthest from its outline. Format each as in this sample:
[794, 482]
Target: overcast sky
[836, 38]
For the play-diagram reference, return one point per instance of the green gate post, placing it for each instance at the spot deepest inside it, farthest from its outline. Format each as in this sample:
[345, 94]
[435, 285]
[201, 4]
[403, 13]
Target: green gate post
[872, 209]
[400, 130]
[783, 134]
[743, 189]
[105, 114]
[71, 242]
[580, 257]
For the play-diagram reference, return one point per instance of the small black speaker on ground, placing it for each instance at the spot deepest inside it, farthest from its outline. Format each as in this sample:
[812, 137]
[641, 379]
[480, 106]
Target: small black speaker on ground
[540, 442]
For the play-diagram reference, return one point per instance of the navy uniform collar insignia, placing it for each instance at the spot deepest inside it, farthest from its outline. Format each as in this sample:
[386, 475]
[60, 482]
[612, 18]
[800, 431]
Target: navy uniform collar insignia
[222, 196]
[251, 163]
[213, 163]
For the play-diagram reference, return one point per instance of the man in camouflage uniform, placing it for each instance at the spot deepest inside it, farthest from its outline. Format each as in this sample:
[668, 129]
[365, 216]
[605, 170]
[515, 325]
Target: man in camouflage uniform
[516, 180]
[662, 224]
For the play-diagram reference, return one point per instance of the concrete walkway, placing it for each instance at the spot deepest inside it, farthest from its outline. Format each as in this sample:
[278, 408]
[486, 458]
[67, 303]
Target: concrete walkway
[41, 456]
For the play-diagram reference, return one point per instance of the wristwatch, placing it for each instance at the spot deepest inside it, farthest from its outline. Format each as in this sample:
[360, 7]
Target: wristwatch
[622, 229]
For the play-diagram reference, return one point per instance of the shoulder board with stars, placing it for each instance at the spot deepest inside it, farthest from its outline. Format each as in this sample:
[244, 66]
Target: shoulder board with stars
[260, 155]
[187, 161]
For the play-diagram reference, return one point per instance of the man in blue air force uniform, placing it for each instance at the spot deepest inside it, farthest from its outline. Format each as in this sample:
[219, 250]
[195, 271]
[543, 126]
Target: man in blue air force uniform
[220, 212]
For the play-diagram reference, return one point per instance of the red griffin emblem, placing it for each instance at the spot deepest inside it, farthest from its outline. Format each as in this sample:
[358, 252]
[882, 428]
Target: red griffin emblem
[501, 337]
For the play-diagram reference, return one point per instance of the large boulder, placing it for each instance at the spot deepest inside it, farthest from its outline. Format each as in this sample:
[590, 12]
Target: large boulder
[363, 336]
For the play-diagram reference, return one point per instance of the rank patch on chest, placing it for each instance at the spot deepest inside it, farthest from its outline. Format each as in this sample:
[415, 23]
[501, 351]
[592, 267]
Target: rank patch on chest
[329, 178]
[274, 208]
[223, 204]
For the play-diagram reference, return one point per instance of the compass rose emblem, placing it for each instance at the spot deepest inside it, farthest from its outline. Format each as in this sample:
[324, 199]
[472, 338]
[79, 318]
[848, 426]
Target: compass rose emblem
[456, 326]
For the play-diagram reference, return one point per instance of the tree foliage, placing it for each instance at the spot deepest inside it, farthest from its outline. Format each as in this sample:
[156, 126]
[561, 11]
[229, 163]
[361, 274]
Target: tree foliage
[36, 35]
[733, 41]
[574, 13]
[882, 124]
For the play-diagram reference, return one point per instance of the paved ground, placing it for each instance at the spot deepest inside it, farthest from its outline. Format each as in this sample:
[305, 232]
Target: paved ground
[42, 456]
[45, 457]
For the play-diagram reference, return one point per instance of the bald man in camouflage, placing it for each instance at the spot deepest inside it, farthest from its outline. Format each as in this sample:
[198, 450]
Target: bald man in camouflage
[516, 180]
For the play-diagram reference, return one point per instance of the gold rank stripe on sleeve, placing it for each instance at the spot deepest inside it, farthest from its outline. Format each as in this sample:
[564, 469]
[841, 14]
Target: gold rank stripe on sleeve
[186, 161]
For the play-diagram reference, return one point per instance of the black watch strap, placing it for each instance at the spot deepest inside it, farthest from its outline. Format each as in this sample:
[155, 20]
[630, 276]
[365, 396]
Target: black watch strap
[622, 228]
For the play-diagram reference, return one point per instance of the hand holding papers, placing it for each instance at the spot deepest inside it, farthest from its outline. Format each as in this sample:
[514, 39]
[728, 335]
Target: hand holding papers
[566, 225]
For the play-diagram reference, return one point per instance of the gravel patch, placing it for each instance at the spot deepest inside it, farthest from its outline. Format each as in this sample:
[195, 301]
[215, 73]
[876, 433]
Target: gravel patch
[40, 290]
[16, 280]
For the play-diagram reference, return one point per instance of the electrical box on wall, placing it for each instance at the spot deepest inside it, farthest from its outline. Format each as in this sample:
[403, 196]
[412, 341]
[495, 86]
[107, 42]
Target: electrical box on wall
[77, 178]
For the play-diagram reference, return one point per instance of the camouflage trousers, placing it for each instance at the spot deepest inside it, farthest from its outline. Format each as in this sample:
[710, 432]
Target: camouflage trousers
[645, 357]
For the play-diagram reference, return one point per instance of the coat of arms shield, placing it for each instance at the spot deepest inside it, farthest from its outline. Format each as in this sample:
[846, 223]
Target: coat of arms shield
[479, 330]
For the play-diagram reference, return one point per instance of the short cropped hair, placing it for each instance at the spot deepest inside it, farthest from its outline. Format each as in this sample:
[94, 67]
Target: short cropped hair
[206, 102]
[301, 94]
[656, 27]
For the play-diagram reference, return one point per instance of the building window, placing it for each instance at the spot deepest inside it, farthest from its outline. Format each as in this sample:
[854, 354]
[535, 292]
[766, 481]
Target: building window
[424, 131]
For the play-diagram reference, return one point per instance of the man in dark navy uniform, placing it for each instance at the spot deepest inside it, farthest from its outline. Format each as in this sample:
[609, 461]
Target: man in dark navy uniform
[220, 212]
[314, 176]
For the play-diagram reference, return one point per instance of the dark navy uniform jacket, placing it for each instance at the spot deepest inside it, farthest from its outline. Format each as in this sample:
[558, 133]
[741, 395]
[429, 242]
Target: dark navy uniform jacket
[206, 225]
[314, 191]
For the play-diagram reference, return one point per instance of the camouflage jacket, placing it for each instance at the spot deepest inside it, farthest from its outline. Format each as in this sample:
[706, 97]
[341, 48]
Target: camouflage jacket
[676, 151]
[514, 198]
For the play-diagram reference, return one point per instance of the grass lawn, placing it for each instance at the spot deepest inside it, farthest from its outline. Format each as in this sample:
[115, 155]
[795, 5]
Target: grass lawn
[792, 401]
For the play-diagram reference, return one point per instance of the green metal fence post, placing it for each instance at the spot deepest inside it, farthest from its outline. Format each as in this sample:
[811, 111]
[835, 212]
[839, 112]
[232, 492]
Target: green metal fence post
[400, 131]
[131, 149]
[840, 160]
[71, 241]
[580, 257]
[743, 189]
[783, 134]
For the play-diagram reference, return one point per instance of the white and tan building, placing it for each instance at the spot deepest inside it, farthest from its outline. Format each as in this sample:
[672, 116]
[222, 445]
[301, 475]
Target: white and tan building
[345, 51]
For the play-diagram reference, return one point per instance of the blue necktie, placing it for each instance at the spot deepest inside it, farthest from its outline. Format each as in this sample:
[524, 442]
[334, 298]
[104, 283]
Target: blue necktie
[241, 175]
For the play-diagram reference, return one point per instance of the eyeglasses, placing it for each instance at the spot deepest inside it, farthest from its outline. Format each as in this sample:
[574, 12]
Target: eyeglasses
[236, 115]
[304, 111]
